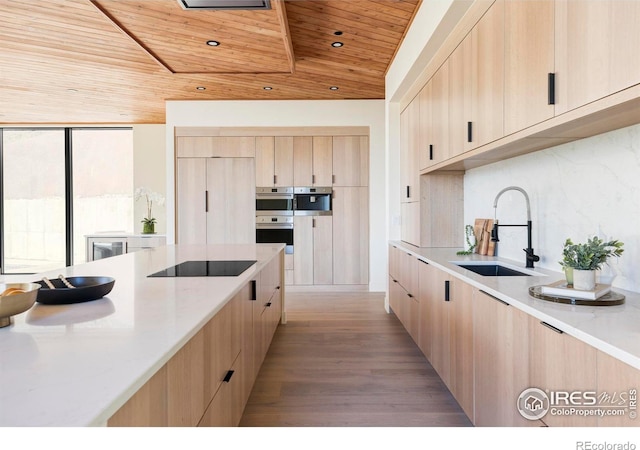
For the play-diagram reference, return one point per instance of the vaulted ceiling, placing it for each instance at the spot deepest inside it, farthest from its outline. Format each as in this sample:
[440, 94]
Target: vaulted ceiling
[117, 61]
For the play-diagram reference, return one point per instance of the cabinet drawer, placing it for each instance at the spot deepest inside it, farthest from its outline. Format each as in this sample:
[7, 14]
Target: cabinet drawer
[145, 242]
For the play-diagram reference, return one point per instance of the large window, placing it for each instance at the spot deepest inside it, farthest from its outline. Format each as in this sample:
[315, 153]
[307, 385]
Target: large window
[33, 169]
[102, 184]
[41, 229]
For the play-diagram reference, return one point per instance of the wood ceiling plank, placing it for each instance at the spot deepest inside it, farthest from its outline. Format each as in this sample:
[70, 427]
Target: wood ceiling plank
[65, 62]
[286, 33]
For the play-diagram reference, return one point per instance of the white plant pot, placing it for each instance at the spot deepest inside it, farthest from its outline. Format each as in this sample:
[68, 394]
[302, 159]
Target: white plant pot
[584, 280]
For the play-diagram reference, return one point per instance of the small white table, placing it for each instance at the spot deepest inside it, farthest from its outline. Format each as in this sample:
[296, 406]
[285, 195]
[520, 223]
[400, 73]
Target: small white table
[104, 245]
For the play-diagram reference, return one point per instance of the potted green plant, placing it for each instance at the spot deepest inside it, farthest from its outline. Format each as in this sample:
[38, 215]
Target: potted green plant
[580, 261]
[149, 222]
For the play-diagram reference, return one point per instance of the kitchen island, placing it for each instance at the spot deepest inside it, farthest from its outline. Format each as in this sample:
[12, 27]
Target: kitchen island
[78, 364]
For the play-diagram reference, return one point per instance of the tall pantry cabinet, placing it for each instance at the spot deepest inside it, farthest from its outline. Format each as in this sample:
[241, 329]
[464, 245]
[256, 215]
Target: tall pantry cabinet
[215, 195]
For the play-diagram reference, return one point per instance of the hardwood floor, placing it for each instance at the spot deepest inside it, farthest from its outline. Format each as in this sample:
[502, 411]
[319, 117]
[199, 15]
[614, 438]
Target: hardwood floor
[341, 360]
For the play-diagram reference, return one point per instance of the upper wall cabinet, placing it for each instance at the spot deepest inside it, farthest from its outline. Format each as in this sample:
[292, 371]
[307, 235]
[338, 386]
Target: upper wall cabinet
[528, 54]
[460, 81]
[476, 85]
[487, 72]
[350, 161]
[596, 50]
[215, 147]
[312, 161]
[409, 152]
[274, 161]
[434, 119]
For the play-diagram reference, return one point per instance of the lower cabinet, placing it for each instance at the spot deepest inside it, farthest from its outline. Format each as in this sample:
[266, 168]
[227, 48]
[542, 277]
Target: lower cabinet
[208, 381]
[490, 354]
[565, 366]
[617, 385]
[501, 354]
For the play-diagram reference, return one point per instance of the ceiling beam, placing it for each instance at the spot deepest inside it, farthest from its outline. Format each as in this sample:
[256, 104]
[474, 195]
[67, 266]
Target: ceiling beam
[130, 36]
[286, 34]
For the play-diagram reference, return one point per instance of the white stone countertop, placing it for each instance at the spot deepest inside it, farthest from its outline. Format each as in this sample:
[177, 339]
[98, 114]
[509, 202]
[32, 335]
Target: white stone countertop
[615, 330]
[76, 365]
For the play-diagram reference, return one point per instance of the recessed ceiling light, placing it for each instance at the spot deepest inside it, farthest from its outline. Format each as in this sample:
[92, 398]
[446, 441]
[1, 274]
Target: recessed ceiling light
[267, 88]
[337, 44]
[225, 4]
[213, 43]
[334, 88]
[338, 33]
[201, 88]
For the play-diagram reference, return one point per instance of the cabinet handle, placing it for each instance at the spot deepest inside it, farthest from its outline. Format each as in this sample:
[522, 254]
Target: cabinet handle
[268, 305]
[254, 290]
[423, 261]
[446, 290]
[313, 223]
[275, 179]
[494, 297]
[551, 327]
[206, 201]
[469, 131]
[228, 376]
[333, 179]
[278, 287]
[408, 191]
[313, 179]
[395, 281]
[431, 152]
[409, 295]
[552, 88]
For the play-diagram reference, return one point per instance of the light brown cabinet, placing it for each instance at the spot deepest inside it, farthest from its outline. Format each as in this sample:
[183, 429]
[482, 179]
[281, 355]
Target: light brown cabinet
[404, 293]
[560, 362]
[313, 255]
[501, 355]
[433, 145]
[460, 97]
[409, 152]
[215, 201]
[215, 146]
[487, 72]
[312, 161]
[619, 382]
[528, 61]
[208, 381]
[351, 235]
[274, 161]
[351, 161]
[461, 360]
[592, 65]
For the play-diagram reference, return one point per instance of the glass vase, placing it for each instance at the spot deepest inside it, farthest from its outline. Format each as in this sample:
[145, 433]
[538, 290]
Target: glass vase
[148, 228]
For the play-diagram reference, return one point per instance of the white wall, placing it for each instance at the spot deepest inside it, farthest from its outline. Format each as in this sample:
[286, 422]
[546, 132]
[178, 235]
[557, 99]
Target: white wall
[300, 113]
[431, 25]
[149, 169]
[586, 187]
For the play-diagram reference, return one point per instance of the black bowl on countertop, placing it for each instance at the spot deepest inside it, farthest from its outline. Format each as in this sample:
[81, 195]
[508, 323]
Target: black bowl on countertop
[86, 289]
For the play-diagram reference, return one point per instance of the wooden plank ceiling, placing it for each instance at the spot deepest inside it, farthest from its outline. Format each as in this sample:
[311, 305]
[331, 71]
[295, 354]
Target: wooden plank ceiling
[117, 61]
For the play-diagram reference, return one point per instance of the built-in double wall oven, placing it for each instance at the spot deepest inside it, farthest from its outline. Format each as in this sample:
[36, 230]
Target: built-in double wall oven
[274, 216]
[276, 206]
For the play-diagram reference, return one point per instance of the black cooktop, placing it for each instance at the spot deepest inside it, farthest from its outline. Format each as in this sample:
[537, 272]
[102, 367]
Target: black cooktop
[206, 269]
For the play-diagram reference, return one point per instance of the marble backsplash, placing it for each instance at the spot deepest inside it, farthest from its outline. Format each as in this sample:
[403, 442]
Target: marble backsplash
[576, 190]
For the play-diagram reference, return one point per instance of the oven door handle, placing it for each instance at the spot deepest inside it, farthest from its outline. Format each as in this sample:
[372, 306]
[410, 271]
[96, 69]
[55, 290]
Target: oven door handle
[284, 226]
[274, 197]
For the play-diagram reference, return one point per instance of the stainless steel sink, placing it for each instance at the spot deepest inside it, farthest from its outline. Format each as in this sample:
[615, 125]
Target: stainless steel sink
[495, 269]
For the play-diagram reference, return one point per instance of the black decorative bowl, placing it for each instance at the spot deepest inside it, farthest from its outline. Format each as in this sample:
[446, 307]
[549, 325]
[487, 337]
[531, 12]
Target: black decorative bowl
[86, 289]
